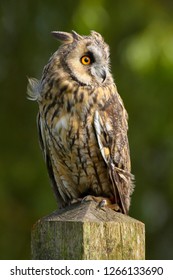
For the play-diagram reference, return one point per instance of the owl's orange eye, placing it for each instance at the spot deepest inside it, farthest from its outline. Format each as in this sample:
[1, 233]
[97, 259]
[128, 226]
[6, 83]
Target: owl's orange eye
[86, 60]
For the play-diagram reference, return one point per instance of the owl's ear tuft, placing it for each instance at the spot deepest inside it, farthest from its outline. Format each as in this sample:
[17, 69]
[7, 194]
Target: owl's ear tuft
[63, 37]
[76, 36]
[96, 35]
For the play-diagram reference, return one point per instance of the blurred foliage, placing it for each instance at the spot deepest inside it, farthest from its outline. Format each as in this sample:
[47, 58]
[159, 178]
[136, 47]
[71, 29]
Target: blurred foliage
[140, 37]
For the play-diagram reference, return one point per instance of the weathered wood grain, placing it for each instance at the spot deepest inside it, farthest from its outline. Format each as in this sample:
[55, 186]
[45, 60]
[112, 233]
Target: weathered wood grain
[85, 232]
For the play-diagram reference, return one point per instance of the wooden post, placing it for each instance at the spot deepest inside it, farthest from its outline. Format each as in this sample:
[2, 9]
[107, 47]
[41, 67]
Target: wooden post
[85, 232]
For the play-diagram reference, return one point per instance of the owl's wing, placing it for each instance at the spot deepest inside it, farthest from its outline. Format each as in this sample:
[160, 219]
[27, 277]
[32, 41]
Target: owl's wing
[45, 150]
[111, 131]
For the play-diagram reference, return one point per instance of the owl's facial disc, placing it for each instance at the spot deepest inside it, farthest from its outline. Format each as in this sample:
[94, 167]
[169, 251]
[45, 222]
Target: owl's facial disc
[96, 69]
[88, 64]
[99, 67]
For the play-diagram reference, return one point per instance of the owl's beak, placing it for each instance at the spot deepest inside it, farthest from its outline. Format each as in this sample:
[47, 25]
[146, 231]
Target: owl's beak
[103, 75]
[99, 72]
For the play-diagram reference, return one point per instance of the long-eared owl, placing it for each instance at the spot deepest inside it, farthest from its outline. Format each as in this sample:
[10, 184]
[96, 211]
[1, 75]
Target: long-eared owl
[82, 124]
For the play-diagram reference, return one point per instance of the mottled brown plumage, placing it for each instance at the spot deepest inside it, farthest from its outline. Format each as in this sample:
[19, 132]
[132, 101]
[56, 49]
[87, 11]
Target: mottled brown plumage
[82, 123]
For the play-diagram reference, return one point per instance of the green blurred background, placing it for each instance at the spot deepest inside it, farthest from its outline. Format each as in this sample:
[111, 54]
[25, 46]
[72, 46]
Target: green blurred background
[140, 35]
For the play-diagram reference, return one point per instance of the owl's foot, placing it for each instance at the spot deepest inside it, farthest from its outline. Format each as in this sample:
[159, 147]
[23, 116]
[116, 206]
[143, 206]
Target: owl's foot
[102, 202]
[75, 200]
[98, 199]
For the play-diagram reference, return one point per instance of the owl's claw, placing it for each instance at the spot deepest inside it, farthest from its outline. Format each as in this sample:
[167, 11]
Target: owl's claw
[88, 198]
[102, 203]
[98, 199]
[75, 200]
[106, 203]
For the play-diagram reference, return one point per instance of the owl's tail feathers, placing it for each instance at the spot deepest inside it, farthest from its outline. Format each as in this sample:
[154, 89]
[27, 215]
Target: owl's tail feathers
[122, 182]
[33, 89]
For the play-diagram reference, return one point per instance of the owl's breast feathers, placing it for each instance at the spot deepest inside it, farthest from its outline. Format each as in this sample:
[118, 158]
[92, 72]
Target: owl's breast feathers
[83, 133]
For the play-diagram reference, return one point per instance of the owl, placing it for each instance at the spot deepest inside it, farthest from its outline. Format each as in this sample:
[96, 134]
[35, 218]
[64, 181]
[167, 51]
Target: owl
[82, 124]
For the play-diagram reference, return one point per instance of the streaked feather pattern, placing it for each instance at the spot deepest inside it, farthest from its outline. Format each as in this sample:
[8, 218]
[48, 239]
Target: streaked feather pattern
[82, 123]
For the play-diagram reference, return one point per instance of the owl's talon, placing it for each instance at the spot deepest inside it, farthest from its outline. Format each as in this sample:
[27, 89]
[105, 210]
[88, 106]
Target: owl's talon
[106, 203]
[75, 200]
[87, 198]
[102, 203]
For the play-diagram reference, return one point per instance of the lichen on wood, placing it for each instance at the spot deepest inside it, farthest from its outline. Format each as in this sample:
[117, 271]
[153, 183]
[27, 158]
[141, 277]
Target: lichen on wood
[85, 232]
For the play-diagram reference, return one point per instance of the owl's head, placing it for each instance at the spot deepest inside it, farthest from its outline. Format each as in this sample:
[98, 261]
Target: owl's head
[85, 58]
